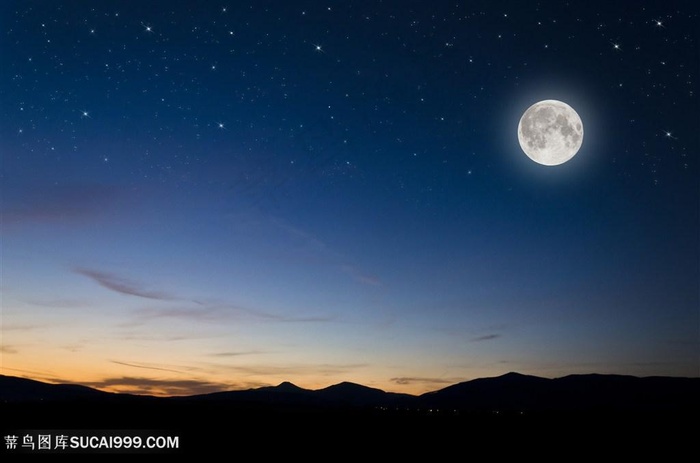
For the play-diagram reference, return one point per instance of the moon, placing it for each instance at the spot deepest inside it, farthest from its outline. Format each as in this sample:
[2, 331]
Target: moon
[550, 132]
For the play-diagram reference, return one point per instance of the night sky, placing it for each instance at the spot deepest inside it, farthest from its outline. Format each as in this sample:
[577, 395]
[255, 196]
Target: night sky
[218, 195]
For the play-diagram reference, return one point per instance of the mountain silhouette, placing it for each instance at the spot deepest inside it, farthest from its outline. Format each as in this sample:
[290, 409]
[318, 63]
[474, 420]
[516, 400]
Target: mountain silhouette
[286, 386]
[517, 410]
[352, 394]
[512, 391]
[284, 395]
[592, 393]
[509, 393]
[14, 389]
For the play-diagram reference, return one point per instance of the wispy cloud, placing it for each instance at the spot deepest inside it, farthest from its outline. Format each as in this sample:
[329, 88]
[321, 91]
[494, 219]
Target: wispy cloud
[160, 337]
[324, 253]
[360, 276]
[8, 349]
[311, 319]
[404, 380]
[211, 314]
[474, 334]
[308, 239]
[653, 364]
[146, 366]
[219, 313]
[142, 385]
[21, 327]
[75, 347]
[123, 285]
[294, 371]
[32, 374]
[190, 309]
[237, 354]
[486, 337]
[168, 387]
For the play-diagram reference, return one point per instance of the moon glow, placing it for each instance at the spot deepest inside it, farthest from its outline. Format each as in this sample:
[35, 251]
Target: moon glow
[550, 132]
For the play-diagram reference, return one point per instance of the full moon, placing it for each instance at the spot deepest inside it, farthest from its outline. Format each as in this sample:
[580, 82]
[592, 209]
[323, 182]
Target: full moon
[550, 132]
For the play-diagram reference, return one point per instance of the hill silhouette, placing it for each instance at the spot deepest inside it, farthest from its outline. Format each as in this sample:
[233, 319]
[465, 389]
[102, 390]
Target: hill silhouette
[14, 389]
[512, 392]
[578, 409]
[593, 393]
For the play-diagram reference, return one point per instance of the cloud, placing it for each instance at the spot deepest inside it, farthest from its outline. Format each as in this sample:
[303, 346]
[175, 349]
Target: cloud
[217, 313]
[75, 347]
[8, 349]
[360, 276]
[166, 387]
[198, 310]
[60, 203]
[324, 253]
[20, 327]
[486, 337]
[404, 380]
[236, 354]
[290, 371]
[308, 239]
[212, 314]
[145, 366]
[146, 386]
[123, 285]
[289, 319]
[653, 364]
[35, 375]
[152, 336]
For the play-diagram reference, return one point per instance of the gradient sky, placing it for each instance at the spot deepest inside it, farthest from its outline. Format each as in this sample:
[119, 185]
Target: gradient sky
[225, 194]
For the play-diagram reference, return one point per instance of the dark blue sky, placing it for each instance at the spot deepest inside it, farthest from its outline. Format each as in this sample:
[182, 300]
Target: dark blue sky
[241, 193]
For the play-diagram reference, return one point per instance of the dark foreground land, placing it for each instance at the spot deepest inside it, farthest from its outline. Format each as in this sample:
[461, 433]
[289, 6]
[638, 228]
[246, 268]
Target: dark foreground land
[498, 416]
[205, 427]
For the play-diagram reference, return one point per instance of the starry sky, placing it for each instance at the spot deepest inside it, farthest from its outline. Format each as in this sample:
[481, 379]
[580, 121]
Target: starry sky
[214, 195]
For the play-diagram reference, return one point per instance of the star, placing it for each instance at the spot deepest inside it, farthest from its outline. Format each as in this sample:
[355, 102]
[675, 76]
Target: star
[668, 134]
[658, 23]
[221, 125]
[84, 113]
[319, 49]
[148, 28]
[616, 46]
